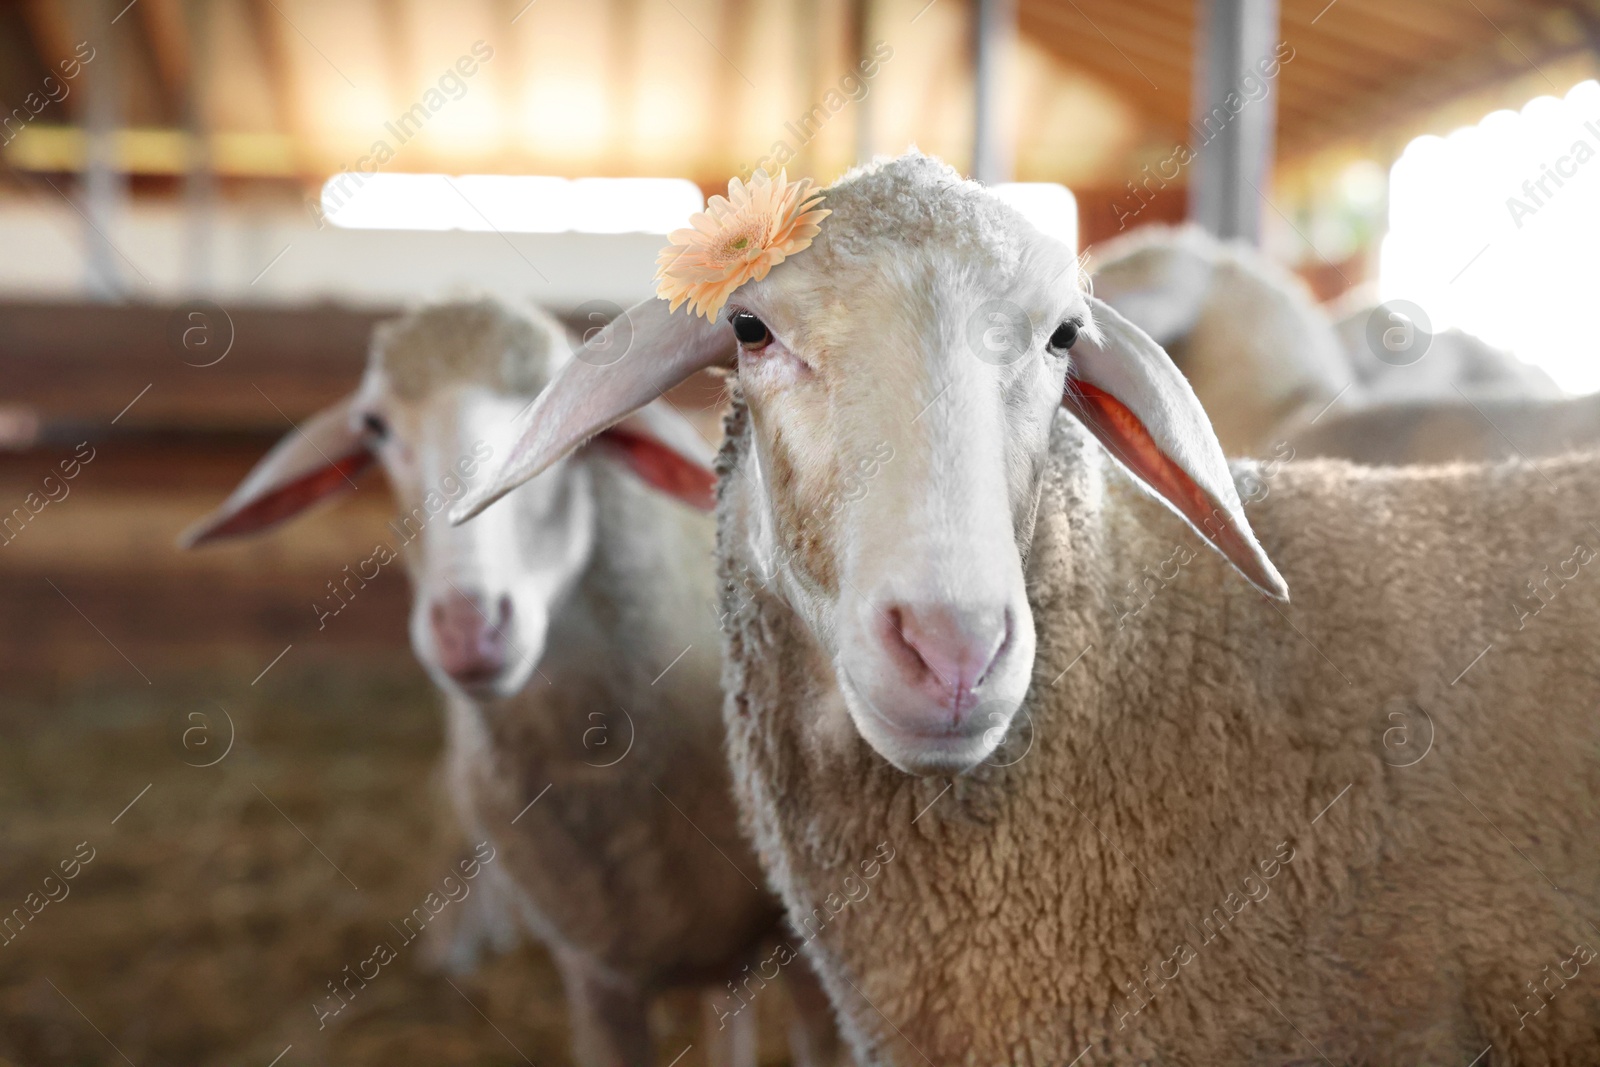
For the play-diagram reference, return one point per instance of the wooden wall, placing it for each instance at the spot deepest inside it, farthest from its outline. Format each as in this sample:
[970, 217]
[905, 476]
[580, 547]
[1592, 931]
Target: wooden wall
[95, 579]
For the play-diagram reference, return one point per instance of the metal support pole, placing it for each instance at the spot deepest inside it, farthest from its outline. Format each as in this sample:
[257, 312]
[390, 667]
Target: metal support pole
[1233, 134]
[860, 29]
[104, 188]
[200, 183]
[994, 35]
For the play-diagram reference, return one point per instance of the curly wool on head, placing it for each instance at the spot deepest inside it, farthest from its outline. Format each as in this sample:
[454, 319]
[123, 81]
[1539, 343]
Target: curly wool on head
[916, 201]
[513, 350]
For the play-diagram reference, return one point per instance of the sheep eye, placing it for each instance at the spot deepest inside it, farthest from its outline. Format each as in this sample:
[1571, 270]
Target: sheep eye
[751, 331]
[375, 427]
[1066, 335]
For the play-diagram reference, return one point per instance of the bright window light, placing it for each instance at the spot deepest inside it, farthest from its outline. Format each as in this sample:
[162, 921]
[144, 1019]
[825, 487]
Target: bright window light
[1050, 207]
[1495, 230]
[534, 204]
[509, 203]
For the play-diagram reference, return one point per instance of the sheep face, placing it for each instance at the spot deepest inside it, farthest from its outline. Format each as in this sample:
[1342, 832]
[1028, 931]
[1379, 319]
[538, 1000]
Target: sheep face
[482, 594]
[437, 407]
[901, 377]
[900, 418]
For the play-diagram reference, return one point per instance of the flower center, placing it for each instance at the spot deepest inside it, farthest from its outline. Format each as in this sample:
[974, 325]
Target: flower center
[747, 238]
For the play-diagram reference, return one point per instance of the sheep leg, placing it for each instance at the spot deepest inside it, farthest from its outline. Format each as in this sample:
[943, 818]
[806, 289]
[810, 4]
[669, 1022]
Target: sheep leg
[610, 1019]
[484, 922]
[730, 1036]
[813, 1032]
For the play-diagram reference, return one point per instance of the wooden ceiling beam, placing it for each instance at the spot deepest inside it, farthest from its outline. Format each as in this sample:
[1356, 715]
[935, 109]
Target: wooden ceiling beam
[510, 58]
[53, 32]
[733, 37]
[22, 68]
[1394, 106]
[1117, 75]
[1104, 30]
[1314, 74]
[396, 32]
[166, 36]
[1327, 75]
[1382, 16]
[1294, 115]
[1123, 79]
[1337, 53]
[957, 57]
[54, 39]
[624, 85]
[1178, 17]
[271, 30]
[1334, 41]
[1143, 24]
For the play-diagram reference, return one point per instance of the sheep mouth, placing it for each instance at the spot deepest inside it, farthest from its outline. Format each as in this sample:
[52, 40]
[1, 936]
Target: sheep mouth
[958, 728]
[486, 683]
[951, 748]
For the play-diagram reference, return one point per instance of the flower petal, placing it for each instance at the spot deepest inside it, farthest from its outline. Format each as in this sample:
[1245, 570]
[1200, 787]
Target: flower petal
[740, 237]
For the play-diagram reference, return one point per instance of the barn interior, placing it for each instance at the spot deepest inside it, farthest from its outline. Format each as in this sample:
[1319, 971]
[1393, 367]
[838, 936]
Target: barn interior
[206, 205]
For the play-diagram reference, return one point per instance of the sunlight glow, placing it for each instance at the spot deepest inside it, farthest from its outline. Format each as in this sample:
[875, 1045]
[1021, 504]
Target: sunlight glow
[510, 203]
[538, 204]
[1495, 230]
[1050, 207]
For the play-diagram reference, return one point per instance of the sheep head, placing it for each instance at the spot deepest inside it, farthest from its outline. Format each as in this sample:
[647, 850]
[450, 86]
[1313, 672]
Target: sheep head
[438, 402]
[901, 377]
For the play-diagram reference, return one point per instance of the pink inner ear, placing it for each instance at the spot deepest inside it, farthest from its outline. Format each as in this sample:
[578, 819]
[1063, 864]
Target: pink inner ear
[662, 468]
[1120, 430]
[290, 500]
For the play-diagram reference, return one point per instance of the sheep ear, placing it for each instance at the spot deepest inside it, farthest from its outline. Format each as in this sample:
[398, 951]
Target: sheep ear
[599, 388]
[314, 462]
[1131, 396]
[666, 452]
[1165, 315]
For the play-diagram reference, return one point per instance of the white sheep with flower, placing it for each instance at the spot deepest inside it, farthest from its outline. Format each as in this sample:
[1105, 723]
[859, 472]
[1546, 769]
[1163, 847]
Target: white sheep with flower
[1198, 835]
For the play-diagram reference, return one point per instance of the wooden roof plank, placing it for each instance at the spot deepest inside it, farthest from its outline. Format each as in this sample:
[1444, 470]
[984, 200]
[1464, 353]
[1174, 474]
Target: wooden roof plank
[271, 28]
[166, 37]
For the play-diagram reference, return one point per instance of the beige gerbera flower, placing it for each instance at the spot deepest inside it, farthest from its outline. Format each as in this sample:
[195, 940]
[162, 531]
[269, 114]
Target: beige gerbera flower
[737, 238]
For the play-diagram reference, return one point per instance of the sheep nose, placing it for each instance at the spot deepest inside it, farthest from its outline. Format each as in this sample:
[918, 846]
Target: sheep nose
[468, 637]
[944, 651]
